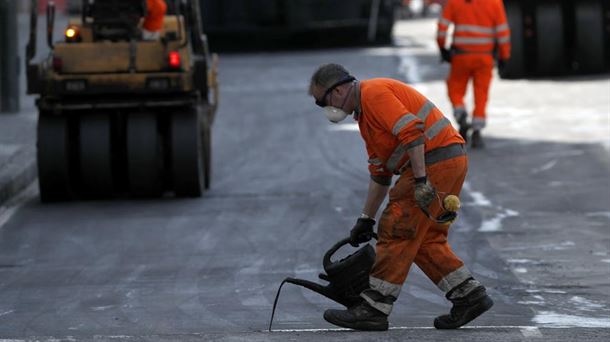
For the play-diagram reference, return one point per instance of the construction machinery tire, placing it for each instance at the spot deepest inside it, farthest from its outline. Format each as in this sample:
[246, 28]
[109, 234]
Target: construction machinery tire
[53, 158]
[95, 155]
[550, 47]
[186, 162]
[144, 157]
[589, 28]
[515, 66]
[206, 141]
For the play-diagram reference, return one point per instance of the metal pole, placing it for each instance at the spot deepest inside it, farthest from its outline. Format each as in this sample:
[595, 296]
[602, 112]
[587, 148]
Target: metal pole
[9, 57]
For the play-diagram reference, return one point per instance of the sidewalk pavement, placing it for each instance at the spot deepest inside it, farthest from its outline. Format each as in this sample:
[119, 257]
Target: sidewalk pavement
[17, 152]
[18, 130]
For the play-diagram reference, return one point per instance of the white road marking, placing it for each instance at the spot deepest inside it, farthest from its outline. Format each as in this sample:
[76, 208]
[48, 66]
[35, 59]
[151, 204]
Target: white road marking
[495, 224]
[605, 214]
[544, 167]
[585, 304]
[6, 214]
[473, 327]
[531, 332]
[6, 313]
[12, 205]
[552, 319]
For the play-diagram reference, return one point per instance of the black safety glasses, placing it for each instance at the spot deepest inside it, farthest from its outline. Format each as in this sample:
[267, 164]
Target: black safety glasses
[322, 101]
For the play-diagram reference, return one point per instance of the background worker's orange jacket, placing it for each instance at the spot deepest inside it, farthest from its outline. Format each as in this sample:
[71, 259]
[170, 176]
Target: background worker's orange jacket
[154, 19]
[395, 117]
[478, 26]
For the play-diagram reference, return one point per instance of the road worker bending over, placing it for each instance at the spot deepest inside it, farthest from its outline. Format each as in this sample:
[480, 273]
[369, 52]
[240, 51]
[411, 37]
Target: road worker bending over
[153, 22]
[480, 32]
[406, 135]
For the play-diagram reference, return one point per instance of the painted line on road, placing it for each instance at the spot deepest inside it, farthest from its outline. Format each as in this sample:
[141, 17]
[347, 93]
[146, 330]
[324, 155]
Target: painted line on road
[412, 328]
[527, 331]
[530, 330]
[5, 216]
[13, 205]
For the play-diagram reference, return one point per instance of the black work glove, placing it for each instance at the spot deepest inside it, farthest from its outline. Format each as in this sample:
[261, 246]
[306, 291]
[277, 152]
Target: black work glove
[424, 192]
[445, 55]
[501, 64]
[362, 231]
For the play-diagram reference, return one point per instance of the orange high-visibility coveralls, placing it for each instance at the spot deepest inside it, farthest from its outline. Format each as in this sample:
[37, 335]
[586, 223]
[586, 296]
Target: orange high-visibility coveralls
[479, 26]
[153, 21]
[393, 117]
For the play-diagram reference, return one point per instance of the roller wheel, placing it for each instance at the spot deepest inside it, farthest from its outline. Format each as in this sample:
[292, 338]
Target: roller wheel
[550, 47]
[515, 67]
[95, 156]
[186, 156]
[206, 141]
[144, 158]
[53, 158]
[589, 52]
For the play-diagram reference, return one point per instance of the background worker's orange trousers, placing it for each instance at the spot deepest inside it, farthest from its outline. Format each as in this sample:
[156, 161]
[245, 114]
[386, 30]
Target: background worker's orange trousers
[406, 235]
[465, 67]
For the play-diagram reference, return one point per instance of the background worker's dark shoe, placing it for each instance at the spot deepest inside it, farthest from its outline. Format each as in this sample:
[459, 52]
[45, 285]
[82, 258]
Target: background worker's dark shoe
[465, 309]
[477, 140]
[464, 127]
[360, 317]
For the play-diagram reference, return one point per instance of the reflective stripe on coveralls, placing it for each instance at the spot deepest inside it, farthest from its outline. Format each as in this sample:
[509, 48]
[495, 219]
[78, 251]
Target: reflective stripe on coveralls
[375, 162]
[438, 155]
[401, 150]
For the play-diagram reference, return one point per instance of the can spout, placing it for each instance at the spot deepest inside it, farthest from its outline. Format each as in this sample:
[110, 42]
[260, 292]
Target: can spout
[323, 290]
[310, 285]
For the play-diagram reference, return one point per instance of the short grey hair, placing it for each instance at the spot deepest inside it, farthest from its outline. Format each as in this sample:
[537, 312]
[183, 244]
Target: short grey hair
[326, 75]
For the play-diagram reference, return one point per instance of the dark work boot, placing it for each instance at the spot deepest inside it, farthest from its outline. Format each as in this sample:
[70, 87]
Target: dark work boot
[462, 120]
[477, 140]
[465, 309]
[359, 317]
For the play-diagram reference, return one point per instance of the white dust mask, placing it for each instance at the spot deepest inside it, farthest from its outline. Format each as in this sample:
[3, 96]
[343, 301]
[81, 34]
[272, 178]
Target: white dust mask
[334, 114]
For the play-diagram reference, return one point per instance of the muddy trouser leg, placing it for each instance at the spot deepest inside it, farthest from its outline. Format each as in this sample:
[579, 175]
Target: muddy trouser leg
[435, 257]
[407, 235]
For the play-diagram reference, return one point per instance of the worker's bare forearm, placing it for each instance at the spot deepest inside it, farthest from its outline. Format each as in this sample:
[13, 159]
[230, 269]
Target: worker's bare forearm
[418, 162]
[374, 198]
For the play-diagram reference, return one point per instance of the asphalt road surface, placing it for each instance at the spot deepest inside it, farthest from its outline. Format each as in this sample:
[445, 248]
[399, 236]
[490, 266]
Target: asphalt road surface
[534, 228]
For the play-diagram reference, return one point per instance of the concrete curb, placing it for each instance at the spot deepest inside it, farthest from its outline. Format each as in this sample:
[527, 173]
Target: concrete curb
[19, 172]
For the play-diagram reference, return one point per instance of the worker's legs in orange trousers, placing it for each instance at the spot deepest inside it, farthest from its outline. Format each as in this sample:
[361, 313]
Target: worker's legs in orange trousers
[482, 75]
[479, 67]
[406, 235]
[457, 83]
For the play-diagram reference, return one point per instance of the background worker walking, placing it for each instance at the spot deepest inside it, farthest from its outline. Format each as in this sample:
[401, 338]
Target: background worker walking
[153, 22]
[406, 135]
[480, 33]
